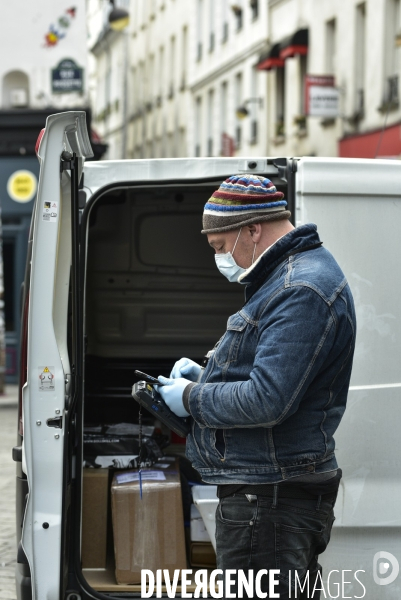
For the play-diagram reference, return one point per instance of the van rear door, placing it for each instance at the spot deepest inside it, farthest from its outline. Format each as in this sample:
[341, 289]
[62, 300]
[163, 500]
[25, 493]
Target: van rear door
[356, 205]
[52, 363]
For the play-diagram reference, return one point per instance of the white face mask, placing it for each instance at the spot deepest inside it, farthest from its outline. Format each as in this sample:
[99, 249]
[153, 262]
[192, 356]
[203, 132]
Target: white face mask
[227, 265]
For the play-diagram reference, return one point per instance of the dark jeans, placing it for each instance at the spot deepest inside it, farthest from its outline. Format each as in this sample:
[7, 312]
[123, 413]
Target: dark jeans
[275, 533]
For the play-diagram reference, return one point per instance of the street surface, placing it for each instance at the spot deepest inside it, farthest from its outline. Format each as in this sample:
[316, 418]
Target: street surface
[8, 552]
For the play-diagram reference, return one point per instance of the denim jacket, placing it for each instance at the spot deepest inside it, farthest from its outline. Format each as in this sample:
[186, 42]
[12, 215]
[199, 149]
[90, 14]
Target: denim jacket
[275, 389]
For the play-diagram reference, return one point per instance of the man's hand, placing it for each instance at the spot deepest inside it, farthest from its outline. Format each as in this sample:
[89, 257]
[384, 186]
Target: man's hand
[172, 392]
[185, 367]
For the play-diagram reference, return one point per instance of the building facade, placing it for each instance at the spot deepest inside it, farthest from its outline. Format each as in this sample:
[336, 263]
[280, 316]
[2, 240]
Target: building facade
[356, 45]
[228, 93]
[140, 78]
[171, 83]
[248, 77]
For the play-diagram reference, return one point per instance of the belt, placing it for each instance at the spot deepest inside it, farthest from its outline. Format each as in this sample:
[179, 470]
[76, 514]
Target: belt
[267, 491]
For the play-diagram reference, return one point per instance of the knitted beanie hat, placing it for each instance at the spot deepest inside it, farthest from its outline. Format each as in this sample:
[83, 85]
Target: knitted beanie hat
[241, 200]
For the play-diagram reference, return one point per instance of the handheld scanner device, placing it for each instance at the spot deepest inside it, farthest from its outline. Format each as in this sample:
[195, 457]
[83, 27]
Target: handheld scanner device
[148, 378]
[147, 397]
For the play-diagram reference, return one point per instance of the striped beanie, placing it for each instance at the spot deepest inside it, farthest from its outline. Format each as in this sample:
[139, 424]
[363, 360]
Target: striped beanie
[241, 200]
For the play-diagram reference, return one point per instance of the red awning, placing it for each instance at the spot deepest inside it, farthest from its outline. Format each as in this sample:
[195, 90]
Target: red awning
[296, 44]
[366, 145]
[271, 59]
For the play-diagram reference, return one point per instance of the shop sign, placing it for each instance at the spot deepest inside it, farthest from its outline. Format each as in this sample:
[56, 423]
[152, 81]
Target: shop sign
[21, 186]
[322, 97]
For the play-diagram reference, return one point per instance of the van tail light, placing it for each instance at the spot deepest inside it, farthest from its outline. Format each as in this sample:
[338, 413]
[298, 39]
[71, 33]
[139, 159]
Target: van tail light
[37, 145]
[23, 361]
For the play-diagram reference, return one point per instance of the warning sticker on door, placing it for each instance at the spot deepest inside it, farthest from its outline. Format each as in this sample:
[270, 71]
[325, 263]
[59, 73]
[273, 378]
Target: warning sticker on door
[50, 212]
[46, 379]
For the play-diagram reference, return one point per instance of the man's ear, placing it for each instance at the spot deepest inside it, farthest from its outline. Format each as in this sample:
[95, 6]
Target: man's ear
[255, 229]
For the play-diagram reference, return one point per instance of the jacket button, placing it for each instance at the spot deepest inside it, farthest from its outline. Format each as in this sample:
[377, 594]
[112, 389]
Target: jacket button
[310, 468]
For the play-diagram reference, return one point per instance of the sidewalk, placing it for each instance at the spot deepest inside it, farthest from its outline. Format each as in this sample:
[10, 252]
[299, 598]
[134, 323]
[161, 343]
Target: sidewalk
[10, 396]
[8, 439]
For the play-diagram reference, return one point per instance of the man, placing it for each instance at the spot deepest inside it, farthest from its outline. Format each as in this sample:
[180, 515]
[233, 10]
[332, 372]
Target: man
[274, 389]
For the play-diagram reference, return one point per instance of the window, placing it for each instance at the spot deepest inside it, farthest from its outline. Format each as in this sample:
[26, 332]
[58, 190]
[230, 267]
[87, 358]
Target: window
[134, 93]
[151, 80]
[184, 58]
[161, 75]
[199, 25]
[237, 10]
[198, 126]
[255, 9]
[254, 107]
[330, 46]
[224, 21]
[15, 90]
[280, 101]
[238, 103]
[360, 60]
[172, 67]
[210, 110]
[391, 55]
[223, 113]
[303, 61]
[211, 25]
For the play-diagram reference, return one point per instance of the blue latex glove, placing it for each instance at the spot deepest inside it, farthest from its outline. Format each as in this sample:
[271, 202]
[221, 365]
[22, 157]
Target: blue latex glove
[172, 392]
[185, 367]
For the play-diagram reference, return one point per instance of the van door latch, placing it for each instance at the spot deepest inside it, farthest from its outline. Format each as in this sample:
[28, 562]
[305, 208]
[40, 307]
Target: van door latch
[57, 422]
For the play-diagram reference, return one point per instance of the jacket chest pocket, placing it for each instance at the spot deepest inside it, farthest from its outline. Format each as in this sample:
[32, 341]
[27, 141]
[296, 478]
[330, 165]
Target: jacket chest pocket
[237, 330]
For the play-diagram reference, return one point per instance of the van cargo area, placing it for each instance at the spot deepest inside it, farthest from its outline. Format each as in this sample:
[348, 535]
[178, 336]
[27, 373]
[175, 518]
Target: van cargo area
[153, 294]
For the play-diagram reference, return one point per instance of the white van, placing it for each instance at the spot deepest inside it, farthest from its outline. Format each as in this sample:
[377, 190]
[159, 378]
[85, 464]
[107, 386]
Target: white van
[119, 278]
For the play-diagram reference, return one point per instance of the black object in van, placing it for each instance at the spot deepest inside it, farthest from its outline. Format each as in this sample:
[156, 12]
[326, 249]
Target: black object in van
[117, 446]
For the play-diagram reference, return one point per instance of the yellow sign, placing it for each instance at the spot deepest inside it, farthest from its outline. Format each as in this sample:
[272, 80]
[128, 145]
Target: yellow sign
[21, 186]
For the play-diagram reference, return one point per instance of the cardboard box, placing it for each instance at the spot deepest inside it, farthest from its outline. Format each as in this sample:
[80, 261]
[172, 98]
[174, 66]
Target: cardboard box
[149, 531]
[202, 555]
[95, 494]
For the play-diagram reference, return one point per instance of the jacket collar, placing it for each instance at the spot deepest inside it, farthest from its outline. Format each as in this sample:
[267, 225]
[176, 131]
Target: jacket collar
[296, 240]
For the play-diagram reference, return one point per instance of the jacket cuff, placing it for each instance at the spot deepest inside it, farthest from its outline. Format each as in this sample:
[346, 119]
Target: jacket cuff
[185, 396]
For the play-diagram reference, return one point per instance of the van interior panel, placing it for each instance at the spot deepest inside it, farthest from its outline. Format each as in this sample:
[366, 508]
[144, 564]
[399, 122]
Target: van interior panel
[153, 294]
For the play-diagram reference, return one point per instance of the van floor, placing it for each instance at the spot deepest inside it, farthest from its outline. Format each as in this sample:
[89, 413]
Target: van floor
[103, 580]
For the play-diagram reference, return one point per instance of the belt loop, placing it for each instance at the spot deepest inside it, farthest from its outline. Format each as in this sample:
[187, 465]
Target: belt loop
[319, 500]
[275, 495]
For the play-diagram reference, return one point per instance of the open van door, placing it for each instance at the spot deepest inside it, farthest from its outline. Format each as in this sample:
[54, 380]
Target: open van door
[53, 352]
[356, 205]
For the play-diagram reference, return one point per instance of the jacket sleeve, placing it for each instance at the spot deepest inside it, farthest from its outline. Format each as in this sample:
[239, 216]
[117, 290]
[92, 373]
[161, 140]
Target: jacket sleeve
[296, 333]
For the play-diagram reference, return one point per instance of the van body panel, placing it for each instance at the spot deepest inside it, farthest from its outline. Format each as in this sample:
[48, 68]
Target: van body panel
[99, 174]
[47, 357]
[356, 205]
